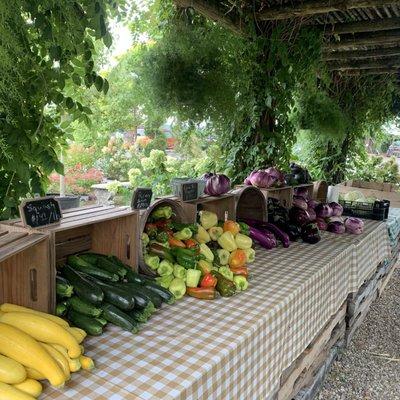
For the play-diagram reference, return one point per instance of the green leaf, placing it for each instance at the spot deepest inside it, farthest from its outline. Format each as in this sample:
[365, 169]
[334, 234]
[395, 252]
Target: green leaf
[98, 83]
[55, 52]
[69, 103]
[76, 79]
[106, 86]
[107, 39]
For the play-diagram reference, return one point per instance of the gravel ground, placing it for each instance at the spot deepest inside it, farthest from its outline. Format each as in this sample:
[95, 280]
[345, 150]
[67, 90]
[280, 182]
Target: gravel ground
[370, 367]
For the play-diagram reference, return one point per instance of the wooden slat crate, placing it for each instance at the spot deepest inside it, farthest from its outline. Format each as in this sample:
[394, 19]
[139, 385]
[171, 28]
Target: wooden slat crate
[301, 373]
[250, 203]
[221, 205]
[26, 271]
[101, 229]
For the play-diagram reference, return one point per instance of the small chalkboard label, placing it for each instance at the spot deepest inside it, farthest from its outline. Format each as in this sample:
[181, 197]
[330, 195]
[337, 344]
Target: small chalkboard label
[189, 191]
[141, 198]
[40, 211]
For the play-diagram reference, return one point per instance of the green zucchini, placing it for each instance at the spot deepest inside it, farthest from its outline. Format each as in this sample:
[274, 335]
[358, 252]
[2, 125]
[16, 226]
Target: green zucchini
[83, 287]
[83, 266]
[63, 287]
[116, 295]
[165, 294]
[117, 317]
[83, 307]
[107, 265]
[101, 321]
[139, 316]
[88, 324]
[61, 308]
[154, 297]
[133, 277]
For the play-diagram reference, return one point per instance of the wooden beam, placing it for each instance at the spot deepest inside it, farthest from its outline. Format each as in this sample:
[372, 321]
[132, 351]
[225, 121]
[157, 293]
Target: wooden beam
[361, 54]
[211, 12]
[313, 7]
[364, 64]
[377, 71]
[363, 26]
[366, 39]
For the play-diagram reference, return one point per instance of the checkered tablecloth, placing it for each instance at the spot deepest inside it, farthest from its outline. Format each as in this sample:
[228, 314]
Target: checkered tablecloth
[232, 348]
[368, 250]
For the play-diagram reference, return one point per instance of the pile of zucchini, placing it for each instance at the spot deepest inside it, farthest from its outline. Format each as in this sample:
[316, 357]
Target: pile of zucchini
[94, 290]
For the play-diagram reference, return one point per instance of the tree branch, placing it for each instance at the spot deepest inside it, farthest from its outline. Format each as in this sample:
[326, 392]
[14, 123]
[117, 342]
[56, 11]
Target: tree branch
[212, 13]
[317, 7]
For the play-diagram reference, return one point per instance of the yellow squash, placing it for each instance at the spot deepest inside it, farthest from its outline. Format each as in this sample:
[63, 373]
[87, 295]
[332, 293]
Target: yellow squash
[31, 387]
[86, 362]
[34, 374]
[43, 330]
[60, 359]
[76, 334]
[11, 371]
[8, 392]
[7, 307]
[21, 347]
[74, 363]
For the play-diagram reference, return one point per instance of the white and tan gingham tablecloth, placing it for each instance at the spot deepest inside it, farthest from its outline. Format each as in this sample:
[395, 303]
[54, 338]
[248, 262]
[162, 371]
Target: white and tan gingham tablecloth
[233, 348]
[369, 249]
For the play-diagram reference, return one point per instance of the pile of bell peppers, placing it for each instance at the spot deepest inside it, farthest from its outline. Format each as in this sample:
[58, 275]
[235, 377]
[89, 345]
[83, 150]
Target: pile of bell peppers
[202, 260]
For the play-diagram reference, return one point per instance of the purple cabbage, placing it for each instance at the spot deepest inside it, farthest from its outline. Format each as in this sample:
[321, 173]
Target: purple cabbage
[217, 184]
[277, 175]
[337, 209]
[336, 227]
[261, 179]
[263, 237]
[208, 175]
[334, 219]
[312, 214]
[300, 202]
[354, 225]
[312, 204]
[323, 210]
[299, 216]
[322, 225]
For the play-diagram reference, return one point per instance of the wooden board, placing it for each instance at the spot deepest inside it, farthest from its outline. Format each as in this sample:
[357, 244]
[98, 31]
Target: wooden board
[293, 377]
[26, 272]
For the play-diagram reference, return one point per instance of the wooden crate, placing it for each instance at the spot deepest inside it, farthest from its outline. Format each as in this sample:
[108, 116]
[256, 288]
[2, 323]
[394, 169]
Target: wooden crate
[308, 186]
[101, 229]
[301, 372]
[379, 190]
[223, 205]
[250, 203]
[26, 271]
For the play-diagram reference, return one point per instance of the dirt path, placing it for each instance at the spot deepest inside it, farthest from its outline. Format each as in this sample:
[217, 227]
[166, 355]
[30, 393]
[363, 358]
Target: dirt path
[370, 367]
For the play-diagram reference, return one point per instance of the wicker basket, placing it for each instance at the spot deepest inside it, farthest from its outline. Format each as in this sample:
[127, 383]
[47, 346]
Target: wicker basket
[178, 216]
[250, 203]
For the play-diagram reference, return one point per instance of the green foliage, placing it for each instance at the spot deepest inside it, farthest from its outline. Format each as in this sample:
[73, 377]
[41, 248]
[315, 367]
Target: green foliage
[158, 143]
[374, 168]
[44, 46]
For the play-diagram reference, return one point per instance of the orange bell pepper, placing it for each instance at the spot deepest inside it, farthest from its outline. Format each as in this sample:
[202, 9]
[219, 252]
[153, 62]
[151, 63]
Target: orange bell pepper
[208, 280]
[191, 244]
[176, 243]
[237, 258]
[240, 271]
[231, 226]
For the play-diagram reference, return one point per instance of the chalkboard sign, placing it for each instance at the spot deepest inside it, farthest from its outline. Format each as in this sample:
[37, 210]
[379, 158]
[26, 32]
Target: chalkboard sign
[190, 191]
[40, 212]
[141, 198]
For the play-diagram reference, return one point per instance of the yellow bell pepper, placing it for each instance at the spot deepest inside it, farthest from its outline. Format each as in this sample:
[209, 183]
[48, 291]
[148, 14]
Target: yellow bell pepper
[202, 235]
[208, 219]
[206, 252]
[227, 241]
[243, 242]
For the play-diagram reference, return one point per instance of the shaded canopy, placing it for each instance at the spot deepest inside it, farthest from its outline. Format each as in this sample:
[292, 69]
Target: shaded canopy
[361, 37]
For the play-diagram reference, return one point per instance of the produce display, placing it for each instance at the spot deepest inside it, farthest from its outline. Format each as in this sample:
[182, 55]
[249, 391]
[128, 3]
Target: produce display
[94, 290]
[200, 259]
[356, 195]
[36, 346]
[272, 177]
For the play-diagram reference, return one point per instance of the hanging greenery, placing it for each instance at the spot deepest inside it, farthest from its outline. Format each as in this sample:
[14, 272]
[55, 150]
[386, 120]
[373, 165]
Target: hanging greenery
[45, 45]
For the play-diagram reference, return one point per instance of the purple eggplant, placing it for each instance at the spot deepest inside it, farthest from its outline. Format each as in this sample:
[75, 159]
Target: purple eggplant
[280, 235]
[263, 238]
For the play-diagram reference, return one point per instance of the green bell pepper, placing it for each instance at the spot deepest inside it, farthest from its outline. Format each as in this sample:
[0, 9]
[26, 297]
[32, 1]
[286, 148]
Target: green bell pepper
[165, 268]
[225, 287]
[250, 255]
[179, 271]
[183, 234]
[223, 256]
[226, 272]
[241, 282]
[206, 252]
[177, 288]
[243, 242]
[162, 237]
[227, 241]
[193, 277]
[152, 261]
[162, 212]
[165, 280]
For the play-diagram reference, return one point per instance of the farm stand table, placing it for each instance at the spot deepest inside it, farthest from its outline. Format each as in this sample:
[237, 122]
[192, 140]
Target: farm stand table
[234, 348]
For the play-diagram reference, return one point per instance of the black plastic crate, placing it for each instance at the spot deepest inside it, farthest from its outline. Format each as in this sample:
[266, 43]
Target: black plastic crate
[379, 210]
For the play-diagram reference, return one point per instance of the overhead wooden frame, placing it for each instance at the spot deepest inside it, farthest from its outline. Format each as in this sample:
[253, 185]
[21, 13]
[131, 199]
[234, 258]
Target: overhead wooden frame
[365, 64]
[375, 71]
[361, 54]
[362, 26]
[314, 7]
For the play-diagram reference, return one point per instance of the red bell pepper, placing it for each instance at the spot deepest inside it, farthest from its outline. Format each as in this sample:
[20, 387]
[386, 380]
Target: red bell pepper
[240, 271]
[208, 281]
[191, 244]
[163, 224]
[204, 293]
[176, 243]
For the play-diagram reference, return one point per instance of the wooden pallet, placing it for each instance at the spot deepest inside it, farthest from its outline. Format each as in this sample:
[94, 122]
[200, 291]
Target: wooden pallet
[300, 374]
